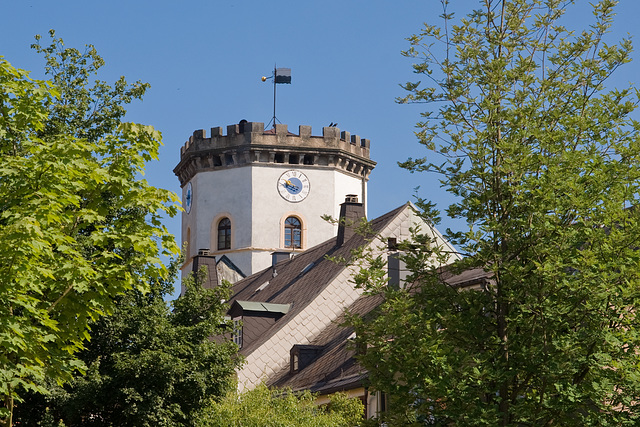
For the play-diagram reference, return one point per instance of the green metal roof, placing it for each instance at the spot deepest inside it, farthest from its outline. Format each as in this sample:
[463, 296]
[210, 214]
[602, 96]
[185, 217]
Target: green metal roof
[264, 306]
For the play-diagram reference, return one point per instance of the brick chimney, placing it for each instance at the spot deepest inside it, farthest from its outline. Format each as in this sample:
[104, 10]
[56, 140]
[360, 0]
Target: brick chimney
[351, 213]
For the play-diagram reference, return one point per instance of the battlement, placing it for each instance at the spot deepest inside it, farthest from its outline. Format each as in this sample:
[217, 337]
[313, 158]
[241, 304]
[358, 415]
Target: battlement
[248, 143]
[253, 133]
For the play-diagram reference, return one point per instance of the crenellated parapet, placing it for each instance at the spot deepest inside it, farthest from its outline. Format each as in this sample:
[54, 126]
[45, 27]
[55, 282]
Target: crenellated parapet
[247, 143]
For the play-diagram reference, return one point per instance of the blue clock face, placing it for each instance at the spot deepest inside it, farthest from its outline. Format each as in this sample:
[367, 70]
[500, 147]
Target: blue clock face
[188, 198]
[293, 186]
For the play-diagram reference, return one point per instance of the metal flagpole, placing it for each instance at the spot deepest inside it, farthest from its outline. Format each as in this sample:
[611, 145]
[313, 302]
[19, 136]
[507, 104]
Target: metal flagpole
[279, 76]
[274, 96]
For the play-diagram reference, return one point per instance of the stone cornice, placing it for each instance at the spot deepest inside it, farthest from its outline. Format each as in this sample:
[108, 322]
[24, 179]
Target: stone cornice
[249, 144]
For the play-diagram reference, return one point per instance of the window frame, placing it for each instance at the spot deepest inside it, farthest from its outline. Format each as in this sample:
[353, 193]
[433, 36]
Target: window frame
[223, 234]
[237, 334]
[291, 241]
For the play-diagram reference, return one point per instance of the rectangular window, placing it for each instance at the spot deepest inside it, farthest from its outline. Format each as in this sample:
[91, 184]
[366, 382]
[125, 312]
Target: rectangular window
[295, 362]
[237, 331]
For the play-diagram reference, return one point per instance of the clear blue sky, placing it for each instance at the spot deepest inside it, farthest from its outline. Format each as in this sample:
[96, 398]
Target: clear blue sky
[204, 60]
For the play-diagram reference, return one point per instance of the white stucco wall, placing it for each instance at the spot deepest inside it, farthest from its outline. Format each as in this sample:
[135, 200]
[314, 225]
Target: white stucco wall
[249, 197]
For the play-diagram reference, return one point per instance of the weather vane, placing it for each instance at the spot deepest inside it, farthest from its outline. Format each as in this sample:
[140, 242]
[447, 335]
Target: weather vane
[279, 76]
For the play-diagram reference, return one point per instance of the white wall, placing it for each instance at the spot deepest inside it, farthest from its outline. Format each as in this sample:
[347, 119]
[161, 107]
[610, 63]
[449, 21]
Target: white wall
[249, 196]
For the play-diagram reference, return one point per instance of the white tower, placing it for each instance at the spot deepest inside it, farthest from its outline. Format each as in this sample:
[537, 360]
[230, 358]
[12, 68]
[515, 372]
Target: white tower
[253, 192]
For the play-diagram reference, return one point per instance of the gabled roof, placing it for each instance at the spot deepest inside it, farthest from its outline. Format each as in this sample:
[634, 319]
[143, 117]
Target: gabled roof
[299, 280]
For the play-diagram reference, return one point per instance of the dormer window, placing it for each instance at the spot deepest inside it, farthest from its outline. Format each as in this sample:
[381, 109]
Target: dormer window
[251, 319]
[301, 356]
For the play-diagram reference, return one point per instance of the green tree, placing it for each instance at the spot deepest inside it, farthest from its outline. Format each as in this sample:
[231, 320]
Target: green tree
[280, 408]
[84, 109]
[544, 162]
[147, 365]
[78, 226]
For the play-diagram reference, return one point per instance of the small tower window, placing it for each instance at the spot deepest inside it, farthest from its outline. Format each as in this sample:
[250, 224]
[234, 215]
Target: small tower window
[224, 234]
[292, 233]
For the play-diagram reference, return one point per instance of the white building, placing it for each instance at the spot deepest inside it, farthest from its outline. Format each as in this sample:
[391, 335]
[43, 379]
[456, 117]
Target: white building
[252, 192]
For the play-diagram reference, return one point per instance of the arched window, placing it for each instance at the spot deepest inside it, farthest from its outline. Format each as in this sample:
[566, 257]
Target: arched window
[292, 233]
[224, 234]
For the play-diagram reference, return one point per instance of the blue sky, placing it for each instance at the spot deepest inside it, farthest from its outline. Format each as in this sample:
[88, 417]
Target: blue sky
[204, 60]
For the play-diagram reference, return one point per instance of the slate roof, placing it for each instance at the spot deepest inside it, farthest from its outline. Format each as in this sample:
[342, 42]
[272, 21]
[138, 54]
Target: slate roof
[336, 368]
[298, 282]
[301, 279]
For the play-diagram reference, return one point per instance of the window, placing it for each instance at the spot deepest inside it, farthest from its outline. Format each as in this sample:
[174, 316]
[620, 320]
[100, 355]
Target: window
[292, 233]
[224, 234]
[381, 402]
[237, 331]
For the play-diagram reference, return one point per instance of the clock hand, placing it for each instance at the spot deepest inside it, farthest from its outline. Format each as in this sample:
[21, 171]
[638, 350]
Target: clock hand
[289, 184]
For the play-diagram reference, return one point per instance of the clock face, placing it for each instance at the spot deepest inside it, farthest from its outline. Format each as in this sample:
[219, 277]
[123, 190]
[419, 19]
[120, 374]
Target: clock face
[188, 198]
[293, 186]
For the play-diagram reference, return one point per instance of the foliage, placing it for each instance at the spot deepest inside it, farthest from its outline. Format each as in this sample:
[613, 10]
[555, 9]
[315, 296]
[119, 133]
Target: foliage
[147, 365]
[84, 111]
[280, 408]
[544, 162]
[77, 227]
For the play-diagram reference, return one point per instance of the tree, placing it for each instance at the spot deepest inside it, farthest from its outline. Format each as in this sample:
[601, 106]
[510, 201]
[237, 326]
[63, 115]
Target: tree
[147, 365]
[83, 111]
[78, 226]
[544, 162]
[280, 408]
